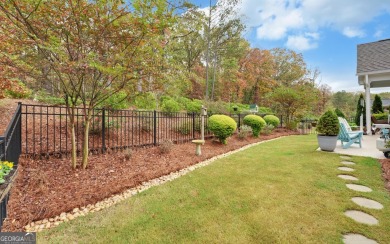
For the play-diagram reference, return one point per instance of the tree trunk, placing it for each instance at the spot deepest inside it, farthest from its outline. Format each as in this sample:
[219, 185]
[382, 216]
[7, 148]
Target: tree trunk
[85, 143]
[74, 149]
[256, 93]
[71, 112]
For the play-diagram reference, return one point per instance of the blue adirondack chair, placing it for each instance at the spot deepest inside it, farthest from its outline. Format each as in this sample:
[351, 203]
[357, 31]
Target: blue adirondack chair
[347, 139]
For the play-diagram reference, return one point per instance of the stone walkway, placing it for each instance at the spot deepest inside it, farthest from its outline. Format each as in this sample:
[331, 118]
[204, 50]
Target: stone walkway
[356, 215]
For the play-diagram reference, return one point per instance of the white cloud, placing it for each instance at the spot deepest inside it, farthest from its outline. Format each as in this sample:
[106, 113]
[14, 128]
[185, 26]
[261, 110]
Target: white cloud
[275, 27]
[353, 32]
[345, 81]
[378, 33]
[313, 35]
[300, 43]
[278, 19]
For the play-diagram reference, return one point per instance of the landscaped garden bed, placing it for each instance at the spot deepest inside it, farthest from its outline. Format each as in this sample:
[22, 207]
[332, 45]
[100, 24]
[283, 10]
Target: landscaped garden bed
[281, 191]
[46, 188]
[386, 171]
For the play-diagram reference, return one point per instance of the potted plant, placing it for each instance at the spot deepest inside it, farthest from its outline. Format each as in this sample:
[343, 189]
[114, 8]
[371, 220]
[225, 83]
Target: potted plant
[328, 129]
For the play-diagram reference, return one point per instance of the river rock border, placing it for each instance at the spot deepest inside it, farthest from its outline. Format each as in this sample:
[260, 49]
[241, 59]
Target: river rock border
[48, 223]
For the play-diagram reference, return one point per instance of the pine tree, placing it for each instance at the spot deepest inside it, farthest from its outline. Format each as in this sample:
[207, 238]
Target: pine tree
[359, 109]
[377, 105]
[339, 113]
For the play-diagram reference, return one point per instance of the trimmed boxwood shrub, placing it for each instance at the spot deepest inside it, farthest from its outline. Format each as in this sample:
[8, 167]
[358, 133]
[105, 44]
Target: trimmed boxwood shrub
[222, 126]
[272, 120]
[328, 124]
[255, 122]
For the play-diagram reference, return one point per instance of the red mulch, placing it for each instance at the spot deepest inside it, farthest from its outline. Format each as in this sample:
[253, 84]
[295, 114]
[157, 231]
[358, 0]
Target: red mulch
[7, 110]
[46, 188]
[386, 171]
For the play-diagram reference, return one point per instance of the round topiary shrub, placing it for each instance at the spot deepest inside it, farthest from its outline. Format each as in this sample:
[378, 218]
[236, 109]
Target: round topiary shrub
[222, 126]
[328, 124]
[272, 120]
[255, 122]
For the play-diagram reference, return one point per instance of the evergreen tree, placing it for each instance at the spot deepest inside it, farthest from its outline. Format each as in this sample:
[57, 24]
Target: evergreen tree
[359, 109]
[377, 105]
[339, 113]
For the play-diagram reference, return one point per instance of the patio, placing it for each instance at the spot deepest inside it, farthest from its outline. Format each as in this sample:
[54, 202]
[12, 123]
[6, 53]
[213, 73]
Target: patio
[368, 148]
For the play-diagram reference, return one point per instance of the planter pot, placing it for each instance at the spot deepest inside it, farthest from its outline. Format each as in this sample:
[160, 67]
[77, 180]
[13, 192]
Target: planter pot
[327, 143]
[381, 146]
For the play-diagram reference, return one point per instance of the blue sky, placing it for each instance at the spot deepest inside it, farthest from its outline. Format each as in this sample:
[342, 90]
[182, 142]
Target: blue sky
[326, 32]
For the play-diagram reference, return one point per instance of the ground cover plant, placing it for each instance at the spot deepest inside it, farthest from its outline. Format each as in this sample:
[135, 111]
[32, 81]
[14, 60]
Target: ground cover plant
[5, 169]
[285, 196]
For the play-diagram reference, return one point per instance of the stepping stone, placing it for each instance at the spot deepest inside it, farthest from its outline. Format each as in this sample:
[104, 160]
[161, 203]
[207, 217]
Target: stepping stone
[346, 169]
[359, 188]
[357, 238]
[348, 177]
[347, 163]
[367, 203]
[345, 157]
[361, 217]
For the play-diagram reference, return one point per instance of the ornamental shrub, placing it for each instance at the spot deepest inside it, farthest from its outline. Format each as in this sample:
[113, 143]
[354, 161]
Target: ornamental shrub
[170, 106]
[116, 101]
[222, 126]
[244, 132]
[377, 105]
[292, 125]
[265, 110]
[145, 101]
[339, 113]
[267, 129]
[255, 122]
[328, 124]
[381, 116]
[194, 106]
[272, 120]
[166, 146]
[18, 90]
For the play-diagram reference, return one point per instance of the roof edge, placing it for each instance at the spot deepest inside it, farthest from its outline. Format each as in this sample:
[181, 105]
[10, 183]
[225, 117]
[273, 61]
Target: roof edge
[373, 72]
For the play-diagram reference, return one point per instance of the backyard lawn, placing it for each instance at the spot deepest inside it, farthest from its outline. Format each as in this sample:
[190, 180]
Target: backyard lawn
[282, 191]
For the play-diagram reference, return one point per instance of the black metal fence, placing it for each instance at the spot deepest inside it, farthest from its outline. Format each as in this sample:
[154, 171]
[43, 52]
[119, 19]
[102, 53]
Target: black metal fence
[45, 129]
[351, 119]
[307, 126]
[239, 118]
[10, 150]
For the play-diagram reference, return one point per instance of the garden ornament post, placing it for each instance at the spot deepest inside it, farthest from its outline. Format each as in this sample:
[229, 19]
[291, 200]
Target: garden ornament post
[200, 142]
[203, 113]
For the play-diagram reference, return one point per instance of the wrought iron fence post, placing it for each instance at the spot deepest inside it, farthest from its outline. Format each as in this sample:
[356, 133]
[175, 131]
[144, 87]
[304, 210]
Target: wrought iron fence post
[2, 148]
[193, 125]
[239, 121]
[155, 128]
[281, 121]
[103, 130]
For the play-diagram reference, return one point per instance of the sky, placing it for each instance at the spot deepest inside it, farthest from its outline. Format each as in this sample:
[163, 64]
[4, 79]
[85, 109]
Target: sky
[326, 32]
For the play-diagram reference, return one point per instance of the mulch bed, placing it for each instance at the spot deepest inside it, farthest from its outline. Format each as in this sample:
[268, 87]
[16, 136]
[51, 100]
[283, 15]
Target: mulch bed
[46, 188]
[7, 110]
[386, 171]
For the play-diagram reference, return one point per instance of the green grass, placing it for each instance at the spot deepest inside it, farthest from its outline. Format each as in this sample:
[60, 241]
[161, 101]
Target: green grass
[277, 192]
